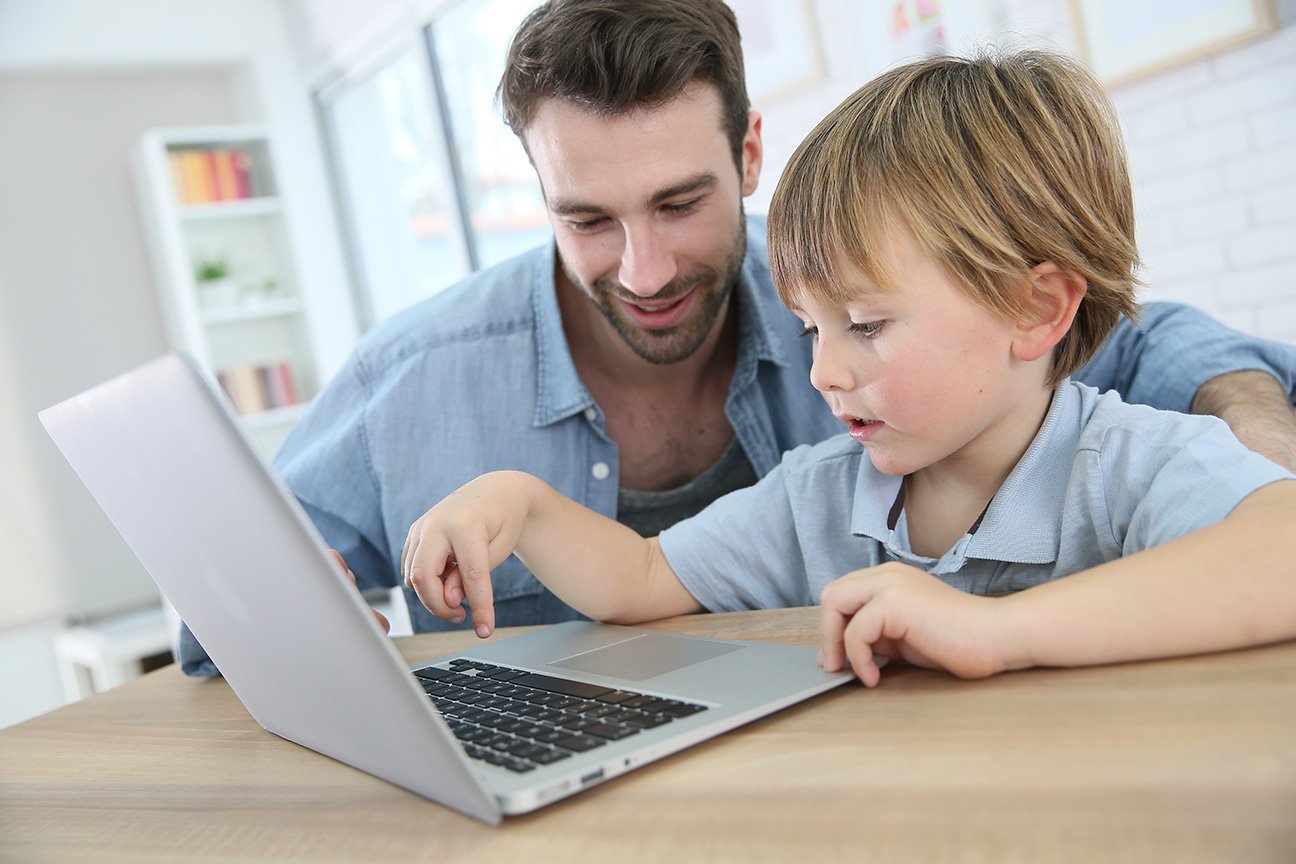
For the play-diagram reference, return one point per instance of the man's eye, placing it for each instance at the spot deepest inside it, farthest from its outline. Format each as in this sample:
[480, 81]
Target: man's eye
[683, 207]
[867, 329]
[585, 225]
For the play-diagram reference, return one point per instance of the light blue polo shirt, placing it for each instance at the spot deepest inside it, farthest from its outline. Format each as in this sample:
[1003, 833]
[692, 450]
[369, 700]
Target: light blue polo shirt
[1101, 480]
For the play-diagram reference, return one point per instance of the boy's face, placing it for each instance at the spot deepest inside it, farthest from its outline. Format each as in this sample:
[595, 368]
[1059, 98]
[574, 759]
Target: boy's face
[920, 374]
[647, 213]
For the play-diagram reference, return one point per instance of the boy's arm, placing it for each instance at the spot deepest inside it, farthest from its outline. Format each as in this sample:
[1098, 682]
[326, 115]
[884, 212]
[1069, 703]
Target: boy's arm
[594, 564]
[1229, 585]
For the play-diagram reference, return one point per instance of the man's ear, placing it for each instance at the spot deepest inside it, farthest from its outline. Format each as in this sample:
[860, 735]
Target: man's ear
[1054, 299]
[753, 152]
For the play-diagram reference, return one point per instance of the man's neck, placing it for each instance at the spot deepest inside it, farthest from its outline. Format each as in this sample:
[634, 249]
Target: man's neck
[668, 420]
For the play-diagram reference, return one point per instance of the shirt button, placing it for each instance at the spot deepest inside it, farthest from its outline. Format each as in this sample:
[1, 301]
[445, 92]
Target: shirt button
[591, 413]
[600, 471]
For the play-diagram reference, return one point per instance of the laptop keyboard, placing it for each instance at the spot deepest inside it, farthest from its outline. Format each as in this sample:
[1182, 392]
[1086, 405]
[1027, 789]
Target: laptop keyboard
[520, 720]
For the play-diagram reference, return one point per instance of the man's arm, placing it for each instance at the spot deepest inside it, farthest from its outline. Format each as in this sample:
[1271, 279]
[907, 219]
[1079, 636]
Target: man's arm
[1256, 408]
[1180, 359]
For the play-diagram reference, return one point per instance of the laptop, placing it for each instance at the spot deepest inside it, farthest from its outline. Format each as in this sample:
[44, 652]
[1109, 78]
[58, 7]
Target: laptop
[511, 725]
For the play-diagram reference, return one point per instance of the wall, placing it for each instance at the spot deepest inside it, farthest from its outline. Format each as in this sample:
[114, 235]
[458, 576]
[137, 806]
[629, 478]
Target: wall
[79, 82]
[1212, 148]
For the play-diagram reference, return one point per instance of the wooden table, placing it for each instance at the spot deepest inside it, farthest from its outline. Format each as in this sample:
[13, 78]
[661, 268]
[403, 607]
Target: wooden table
[1183, 760]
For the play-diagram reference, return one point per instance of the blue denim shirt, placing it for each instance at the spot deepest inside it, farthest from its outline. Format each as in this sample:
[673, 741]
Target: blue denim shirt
[479, 378]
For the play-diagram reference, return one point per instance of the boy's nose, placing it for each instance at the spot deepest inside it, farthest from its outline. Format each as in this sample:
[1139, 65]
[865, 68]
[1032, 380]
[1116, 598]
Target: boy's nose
[646, 264]
[829, 371]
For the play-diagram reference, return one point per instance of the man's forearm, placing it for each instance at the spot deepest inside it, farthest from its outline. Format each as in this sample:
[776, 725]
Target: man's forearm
[1257, 409]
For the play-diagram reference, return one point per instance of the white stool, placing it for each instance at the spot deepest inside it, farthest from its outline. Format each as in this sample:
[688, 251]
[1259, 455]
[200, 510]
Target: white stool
[98, 656]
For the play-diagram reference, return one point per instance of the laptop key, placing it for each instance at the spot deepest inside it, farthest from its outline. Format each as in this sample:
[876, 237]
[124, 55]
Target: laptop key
[560, 685]
[549, 756]
[579, 743]
[431, 673]
[611, 731]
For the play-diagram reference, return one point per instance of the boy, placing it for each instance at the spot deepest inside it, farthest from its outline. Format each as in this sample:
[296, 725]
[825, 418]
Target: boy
[957, 237]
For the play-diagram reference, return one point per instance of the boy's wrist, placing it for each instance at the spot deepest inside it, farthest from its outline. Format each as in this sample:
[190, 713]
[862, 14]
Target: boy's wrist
[1015, 632]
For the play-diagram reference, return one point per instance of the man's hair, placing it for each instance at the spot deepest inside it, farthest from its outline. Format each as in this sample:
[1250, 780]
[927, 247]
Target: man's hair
[993, 165]
[611, 57]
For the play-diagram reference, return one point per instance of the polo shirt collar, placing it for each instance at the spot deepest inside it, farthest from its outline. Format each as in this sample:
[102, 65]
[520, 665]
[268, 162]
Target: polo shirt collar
[1023, 523]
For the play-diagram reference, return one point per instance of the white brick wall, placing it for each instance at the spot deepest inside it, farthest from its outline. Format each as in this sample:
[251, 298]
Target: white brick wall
[1212, 149]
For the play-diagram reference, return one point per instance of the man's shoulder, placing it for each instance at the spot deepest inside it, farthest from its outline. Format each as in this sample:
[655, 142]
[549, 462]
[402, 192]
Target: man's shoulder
[497, 302]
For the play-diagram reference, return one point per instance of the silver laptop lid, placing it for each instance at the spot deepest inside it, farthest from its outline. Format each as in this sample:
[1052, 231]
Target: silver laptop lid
[233, 551]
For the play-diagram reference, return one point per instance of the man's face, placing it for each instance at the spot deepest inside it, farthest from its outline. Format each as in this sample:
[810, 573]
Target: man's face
[647, 213]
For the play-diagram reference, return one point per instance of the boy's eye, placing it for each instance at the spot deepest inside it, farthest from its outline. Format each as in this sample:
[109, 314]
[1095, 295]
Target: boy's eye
[809, 330]
[867, 329]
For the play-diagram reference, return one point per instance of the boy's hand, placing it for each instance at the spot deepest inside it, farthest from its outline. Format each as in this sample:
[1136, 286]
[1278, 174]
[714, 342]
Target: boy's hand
[897, 611]
[451, 550]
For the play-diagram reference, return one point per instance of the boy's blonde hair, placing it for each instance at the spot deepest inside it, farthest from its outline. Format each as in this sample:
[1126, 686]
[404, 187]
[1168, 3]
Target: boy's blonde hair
[993, 164]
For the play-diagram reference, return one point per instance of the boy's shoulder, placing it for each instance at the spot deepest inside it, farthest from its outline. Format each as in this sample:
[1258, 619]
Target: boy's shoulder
[1105, 420]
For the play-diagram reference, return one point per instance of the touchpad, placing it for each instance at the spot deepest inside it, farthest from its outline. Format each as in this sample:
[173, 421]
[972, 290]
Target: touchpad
[645, 655]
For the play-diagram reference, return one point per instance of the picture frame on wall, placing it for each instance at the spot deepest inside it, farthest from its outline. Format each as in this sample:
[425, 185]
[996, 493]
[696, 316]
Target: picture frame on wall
[1123, 42]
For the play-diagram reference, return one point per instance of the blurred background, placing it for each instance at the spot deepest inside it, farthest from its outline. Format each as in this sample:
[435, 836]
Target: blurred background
[260, 181]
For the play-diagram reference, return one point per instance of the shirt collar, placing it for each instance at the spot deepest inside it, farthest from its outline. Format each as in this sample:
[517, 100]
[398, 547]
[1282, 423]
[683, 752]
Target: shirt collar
[559, 391]
[1023, 523]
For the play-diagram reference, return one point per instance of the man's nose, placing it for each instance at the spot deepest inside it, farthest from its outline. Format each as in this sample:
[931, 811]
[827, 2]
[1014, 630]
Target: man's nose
[647, 264]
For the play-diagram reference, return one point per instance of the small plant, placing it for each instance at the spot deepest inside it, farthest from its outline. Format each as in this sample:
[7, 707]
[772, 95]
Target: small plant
[212, 269]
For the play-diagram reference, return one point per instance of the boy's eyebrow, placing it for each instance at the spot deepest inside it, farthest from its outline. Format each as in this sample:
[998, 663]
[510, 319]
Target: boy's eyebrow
[699, 182]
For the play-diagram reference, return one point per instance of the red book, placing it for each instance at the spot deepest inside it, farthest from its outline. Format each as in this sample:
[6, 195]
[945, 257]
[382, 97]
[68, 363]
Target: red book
[212, 178]
[226, 183]
[241, 164]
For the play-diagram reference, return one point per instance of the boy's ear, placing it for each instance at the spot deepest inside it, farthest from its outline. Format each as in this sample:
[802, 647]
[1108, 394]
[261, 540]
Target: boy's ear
[1053, 301]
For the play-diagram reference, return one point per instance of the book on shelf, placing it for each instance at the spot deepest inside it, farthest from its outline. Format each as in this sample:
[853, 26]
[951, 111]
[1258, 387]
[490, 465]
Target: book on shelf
[202, 175]
[256, 388]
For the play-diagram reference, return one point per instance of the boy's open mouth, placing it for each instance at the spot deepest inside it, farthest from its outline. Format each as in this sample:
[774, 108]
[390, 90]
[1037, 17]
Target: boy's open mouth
[863, 428]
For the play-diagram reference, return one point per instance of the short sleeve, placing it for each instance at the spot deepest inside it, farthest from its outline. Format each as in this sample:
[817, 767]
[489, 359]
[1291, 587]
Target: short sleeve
[742, 551]
[1188, 475]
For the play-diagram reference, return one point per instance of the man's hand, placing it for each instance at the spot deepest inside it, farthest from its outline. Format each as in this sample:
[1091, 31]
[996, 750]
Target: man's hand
[378, 616]
[1257, 409]
[897, 611]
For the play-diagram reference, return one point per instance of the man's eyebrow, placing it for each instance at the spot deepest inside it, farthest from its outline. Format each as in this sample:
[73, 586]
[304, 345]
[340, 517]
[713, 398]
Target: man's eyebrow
[700, 182]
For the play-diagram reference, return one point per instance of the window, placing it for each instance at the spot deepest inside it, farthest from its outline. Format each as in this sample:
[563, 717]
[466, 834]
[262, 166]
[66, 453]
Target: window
[431, 181]
[506, 211]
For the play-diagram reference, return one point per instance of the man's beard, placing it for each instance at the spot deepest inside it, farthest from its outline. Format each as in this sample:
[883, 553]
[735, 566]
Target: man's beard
[678, 341]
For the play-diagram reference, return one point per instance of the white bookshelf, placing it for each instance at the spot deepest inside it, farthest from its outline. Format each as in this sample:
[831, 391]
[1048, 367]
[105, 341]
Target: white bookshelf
[212, 193]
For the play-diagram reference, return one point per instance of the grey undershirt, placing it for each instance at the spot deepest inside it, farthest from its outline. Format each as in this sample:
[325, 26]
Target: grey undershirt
[650, 513]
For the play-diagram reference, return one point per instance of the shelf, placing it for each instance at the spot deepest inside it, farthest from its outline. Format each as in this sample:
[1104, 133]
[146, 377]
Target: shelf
[263, 206]
[286, 415]
[252, 312]
[210, 194]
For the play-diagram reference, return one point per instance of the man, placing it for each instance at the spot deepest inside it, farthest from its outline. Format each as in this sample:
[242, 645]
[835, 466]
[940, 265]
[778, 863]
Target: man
[641, 364]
